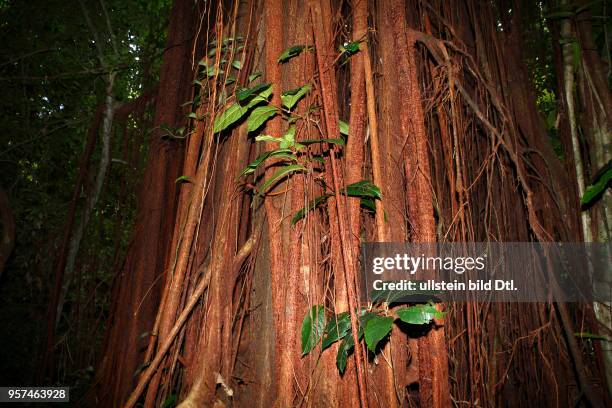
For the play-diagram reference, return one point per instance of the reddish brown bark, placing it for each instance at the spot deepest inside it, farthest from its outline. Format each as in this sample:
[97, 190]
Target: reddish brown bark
[138, 284]
[434, 389]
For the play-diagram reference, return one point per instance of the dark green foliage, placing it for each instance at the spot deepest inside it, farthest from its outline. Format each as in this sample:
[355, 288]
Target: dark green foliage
[52, 83]
[374, 325]
[601, 182]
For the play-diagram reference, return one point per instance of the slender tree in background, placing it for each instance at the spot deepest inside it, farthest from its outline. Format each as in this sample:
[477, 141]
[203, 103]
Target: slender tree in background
[284, 133]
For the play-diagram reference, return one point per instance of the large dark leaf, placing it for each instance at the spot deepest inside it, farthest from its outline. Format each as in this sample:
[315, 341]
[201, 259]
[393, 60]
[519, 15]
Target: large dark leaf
[312, 328]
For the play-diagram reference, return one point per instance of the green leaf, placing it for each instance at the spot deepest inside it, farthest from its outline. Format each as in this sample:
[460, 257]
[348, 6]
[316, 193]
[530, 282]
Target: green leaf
[344, 128]
[230, 116]
[184, 179]
[376, 329]
[337, 328]
[363, 188]
[343, 351]
[280, 153]
[312, 328]
[311, 206]
[291, 52]
[594, 191]
[290, 98]
[259, 116]
[364, 319]
[419, 314]
[266, 138]
[245, 93]
[284, 171]
[350, 48]
[237, 64]
[170, 401]
[368, 204]
[254, 76]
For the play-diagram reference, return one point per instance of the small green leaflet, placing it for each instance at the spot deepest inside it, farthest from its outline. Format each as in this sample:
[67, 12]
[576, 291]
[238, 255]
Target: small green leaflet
[594, 191]
[229, 117]
[254, 76]
[280, 153]
[337, 328]
[184, 179]
[312, 328]
[363, 188]
[343, 351]
[368, 204]
[291, 97]
[311, 206]
[284, 171]
[344, 128]
[291, 52]
[236, 111]
[350, 48]
[245, 93]
[419, 314]
[376, 329]
[266, 138]
[170, 401]
[259, 116]
[237, 64]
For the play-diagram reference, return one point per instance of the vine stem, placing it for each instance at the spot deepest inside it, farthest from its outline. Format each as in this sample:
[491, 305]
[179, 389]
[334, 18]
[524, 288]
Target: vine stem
[331, 122]
[193, 300]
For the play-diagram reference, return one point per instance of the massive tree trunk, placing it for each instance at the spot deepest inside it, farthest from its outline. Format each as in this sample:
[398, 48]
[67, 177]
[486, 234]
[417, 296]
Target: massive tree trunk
[221, 273]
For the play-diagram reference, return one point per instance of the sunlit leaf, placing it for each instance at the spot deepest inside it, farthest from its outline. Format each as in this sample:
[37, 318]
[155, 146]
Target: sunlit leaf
[266, 138]
[343, 352]
[311, 206]
[336, 328]
[259, 116]
[344, 128]
[419, 314]
[230, 116]
[350, 48]
[377, 328]
[363, 188]
[183, 179]
[279, 153]
[596, 190]
[291, 97]
[312, 328]
[245, 93]
[291, 52]
[284, 171]
[254, 76]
